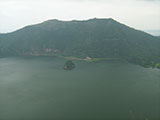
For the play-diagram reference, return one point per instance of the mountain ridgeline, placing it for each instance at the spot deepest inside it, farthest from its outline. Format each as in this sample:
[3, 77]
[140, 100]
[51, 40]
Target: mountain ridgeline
[96, 38]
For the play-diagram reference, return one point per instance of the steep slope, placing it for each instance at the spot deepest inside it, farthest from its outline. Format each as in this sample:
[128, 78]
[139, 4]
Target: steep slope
[94, 38]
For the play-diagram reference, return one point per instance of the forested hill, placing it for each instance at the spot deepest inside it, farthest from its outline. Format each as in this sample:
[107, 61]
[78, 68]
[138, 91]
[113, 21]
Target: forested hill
[96, 38]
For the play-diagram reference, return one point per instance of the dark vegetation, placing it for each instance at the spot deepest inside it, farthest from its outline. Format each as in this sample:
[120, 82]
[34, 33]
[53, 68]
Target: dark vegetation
[69, 65]
[96, 38]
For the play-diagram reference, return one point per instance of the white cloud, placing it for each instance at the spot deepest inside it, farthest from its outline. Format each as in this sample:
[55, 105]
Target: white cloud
[141, 14]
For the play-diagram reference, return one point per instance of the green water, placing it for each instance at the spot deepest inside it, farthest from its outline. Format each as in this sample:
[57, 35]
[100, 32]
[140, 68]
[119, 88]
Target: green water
[37, 88]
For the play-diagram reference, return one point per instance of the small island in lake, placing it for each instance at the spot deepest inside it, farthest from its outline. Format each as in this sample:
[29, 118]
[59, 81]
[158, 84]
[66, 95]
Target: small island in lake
[69, 65]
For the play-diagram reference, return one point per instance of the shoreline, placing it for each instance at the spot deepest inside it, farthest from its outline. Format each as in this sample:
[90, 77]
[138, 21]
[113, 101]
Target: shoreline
[87, 59]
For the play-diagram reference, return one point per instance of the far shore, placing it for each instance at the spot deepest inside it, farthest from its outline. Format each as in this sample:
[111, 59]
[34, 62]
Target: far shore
[87, 58]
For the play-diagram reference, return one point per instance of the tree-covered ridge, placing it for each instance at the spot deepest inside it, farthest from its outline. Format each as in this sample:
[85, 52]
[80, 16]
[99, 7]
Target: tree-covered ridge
[96, 38]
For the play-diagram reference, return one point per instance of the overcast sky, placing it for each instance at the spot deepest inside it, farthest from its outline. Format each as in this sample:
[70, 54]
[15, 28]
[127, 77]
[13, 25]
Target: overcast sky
[140, 14]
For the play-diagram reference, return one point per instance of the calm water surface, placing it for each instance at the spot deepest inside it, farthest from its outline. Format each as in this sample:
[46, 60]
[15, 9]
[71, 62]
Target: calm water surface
[37, 88]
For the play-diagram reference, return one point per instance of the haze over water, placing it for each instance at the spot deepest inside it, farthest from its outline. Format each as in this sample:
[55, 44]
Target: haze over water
[37, 88]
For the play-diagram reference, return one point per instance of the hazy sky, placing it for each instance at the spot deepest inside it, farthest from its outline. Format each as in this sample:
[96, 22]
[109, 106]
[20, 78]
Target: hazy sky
[140, 14]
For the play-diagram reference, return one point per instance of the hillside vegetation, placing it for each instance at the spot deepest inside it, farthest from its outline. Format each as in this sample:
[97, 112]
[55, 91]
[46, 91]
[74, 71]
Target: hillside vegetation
[96, 38]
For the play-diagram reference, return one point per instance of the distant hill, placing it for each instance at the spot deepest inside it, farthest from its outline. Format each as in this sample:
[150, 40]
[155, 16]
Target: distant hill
[96, 38]
[154, 32]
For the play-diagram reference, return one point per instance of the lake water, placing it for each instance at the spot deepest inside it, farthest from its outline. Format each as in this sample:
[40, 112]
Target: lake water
[37, 88]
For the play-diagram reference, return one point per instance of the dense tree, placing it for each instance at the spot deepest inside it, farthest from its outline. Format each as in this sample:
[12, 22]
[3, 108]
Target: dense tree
[69, 65]
[96, 38]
